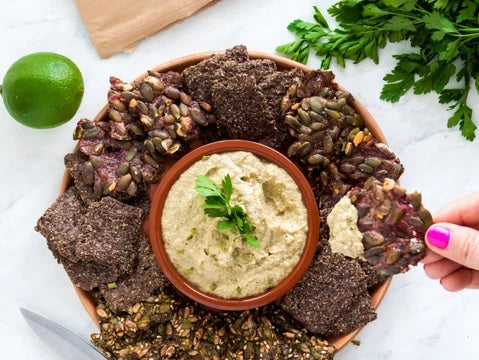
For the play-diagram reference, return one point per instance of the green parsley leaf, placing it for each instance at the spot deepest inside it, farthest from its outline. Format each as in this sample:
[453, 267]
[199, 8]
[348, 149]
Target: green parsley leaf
[372, 10]
[451, 51]
[462, 117]
[299, 26]
[436, 79]
[206, 187]
[212, 206]
[217, 204]
[402, 78]
[399, 23]
[450, 95]
[223, 212]
[227, 187]
[468, 12]
[225, 224]
[438, 21]
[467, 126]
[443, 4]
[252, 241]
[406, 5]
[320, 18]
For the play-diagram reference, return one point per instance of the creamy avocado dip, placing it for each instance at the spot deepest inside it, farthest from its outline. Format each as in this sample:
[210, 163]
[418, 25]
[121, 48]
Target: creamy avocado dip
[344, 235]
[220, 262]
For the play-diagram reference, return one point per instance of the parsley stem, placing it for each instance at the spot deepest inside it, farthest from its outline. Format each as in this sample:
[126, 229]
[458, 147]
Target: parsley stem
[469, 36]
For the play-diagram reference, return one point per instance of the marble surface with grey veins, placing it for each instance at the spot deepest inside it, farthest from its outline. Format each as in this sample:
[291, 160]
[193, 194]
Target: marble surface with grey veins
[416, 320]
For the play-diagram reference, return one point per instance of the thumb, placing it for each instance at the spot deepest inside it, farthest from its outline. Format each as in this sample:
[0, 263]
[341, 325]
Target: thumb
[458, 243]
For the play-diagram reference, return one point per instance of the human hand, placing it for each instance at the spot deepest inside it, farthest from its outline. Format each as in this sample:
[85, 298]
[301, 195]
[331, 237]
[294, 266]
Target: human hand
[453, 245]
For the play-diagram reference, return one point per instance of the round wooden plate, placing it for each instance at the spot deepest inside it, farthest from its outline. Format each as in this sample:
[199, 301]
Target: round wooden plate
[283, 64]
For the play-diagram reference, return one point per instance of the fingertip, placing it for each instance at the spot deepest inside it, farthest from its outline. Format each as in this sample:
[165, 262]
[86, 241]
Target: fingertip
[458, 280]
[430, 257]
[438, 236]
[425, 270]
[458, 243]
[441, 268]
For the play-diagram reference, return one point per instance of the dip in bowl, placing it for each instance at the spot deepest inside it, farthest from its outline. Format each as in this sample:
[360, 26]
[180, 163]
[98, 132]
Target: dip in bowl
[217, 265]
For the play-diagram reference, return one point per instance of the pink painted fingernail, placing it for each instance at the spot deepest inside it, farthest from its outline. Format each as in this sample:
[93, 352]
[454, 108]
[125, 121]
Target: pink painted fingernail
[438, 236]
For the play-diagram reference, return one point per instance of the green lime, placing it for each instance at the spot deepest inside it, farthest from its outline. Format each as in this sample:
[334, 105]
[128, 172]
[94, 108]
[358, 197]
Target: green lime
[42, 90]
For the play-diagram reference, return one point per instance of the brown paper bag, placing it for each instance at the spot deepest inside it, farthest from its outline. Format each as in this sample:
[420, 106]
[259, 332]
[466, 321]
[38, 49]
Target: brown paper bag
[118, 25]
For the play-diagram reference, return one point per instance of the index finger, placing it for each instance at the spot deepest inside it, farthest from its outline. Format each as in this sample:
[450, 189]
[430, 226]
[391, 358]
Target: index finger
[463, 211]
[431, 257]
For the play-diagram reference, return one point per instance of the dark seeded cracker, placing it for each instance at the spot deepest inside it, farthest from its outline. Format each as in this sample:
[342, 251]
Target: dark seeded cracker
[260, 69]
[109, 233]
[199, 78]
[58, 224]
[255, 84]
[317, 82]
[359, 313]
[374, 276]
[325, 292]
[251, 120]
[142, 283]
[87, 274]
[390, 166]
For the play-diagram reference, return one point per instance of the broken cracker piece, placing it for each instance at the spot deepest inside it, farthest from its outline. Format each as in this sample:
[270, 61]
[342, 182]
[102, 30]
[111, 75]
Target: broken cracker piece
[58, 224]
[326, 292]
[74, 163]
[108, 235]
[252, 120]
[392, 224]
[88, 274]
[359, 313]
[141, 284]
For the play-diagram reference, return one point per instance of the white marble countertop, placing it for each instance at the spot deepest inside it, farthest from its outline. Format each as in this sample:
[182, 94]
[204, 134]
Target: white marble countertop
[416, 320]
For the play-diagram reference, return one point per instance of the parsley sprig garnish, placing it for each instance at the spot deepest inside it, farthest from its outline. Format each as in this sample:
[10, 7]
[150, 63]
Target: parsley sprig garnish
[446, 33]
[217, 204]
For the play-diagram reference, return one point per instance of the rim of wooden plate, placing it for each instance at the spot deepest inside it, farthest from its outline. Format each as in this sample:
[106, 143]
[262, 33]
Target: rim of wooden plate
[181, 63]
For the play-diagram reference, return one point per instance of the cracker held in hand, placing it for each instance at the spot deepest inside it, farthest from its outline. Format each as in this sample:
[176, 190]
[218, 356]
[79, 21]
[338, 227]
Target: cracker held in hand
[382, 224]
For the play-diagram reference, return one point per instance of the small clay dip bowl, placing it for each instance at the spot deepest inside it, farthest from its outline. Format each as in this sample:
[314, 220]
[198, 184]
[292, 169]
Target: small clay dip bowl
[190, 290]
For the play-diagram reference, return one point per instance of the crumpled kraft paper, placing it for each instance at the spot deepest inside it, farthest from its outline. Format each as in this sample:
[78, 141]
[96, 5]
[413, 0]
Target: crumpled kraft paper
[117, 25]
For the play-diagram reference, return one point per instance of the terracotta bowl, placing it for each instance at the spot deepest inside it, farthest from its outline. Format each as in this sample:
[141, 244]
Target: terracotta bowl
[282, 63]
[155, 230]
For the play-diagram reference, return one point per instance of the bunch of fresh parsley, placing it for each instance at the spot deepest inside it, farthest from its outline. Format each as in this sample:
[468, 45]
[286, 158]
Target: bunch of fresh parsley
[445, 32]
[217, 204]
